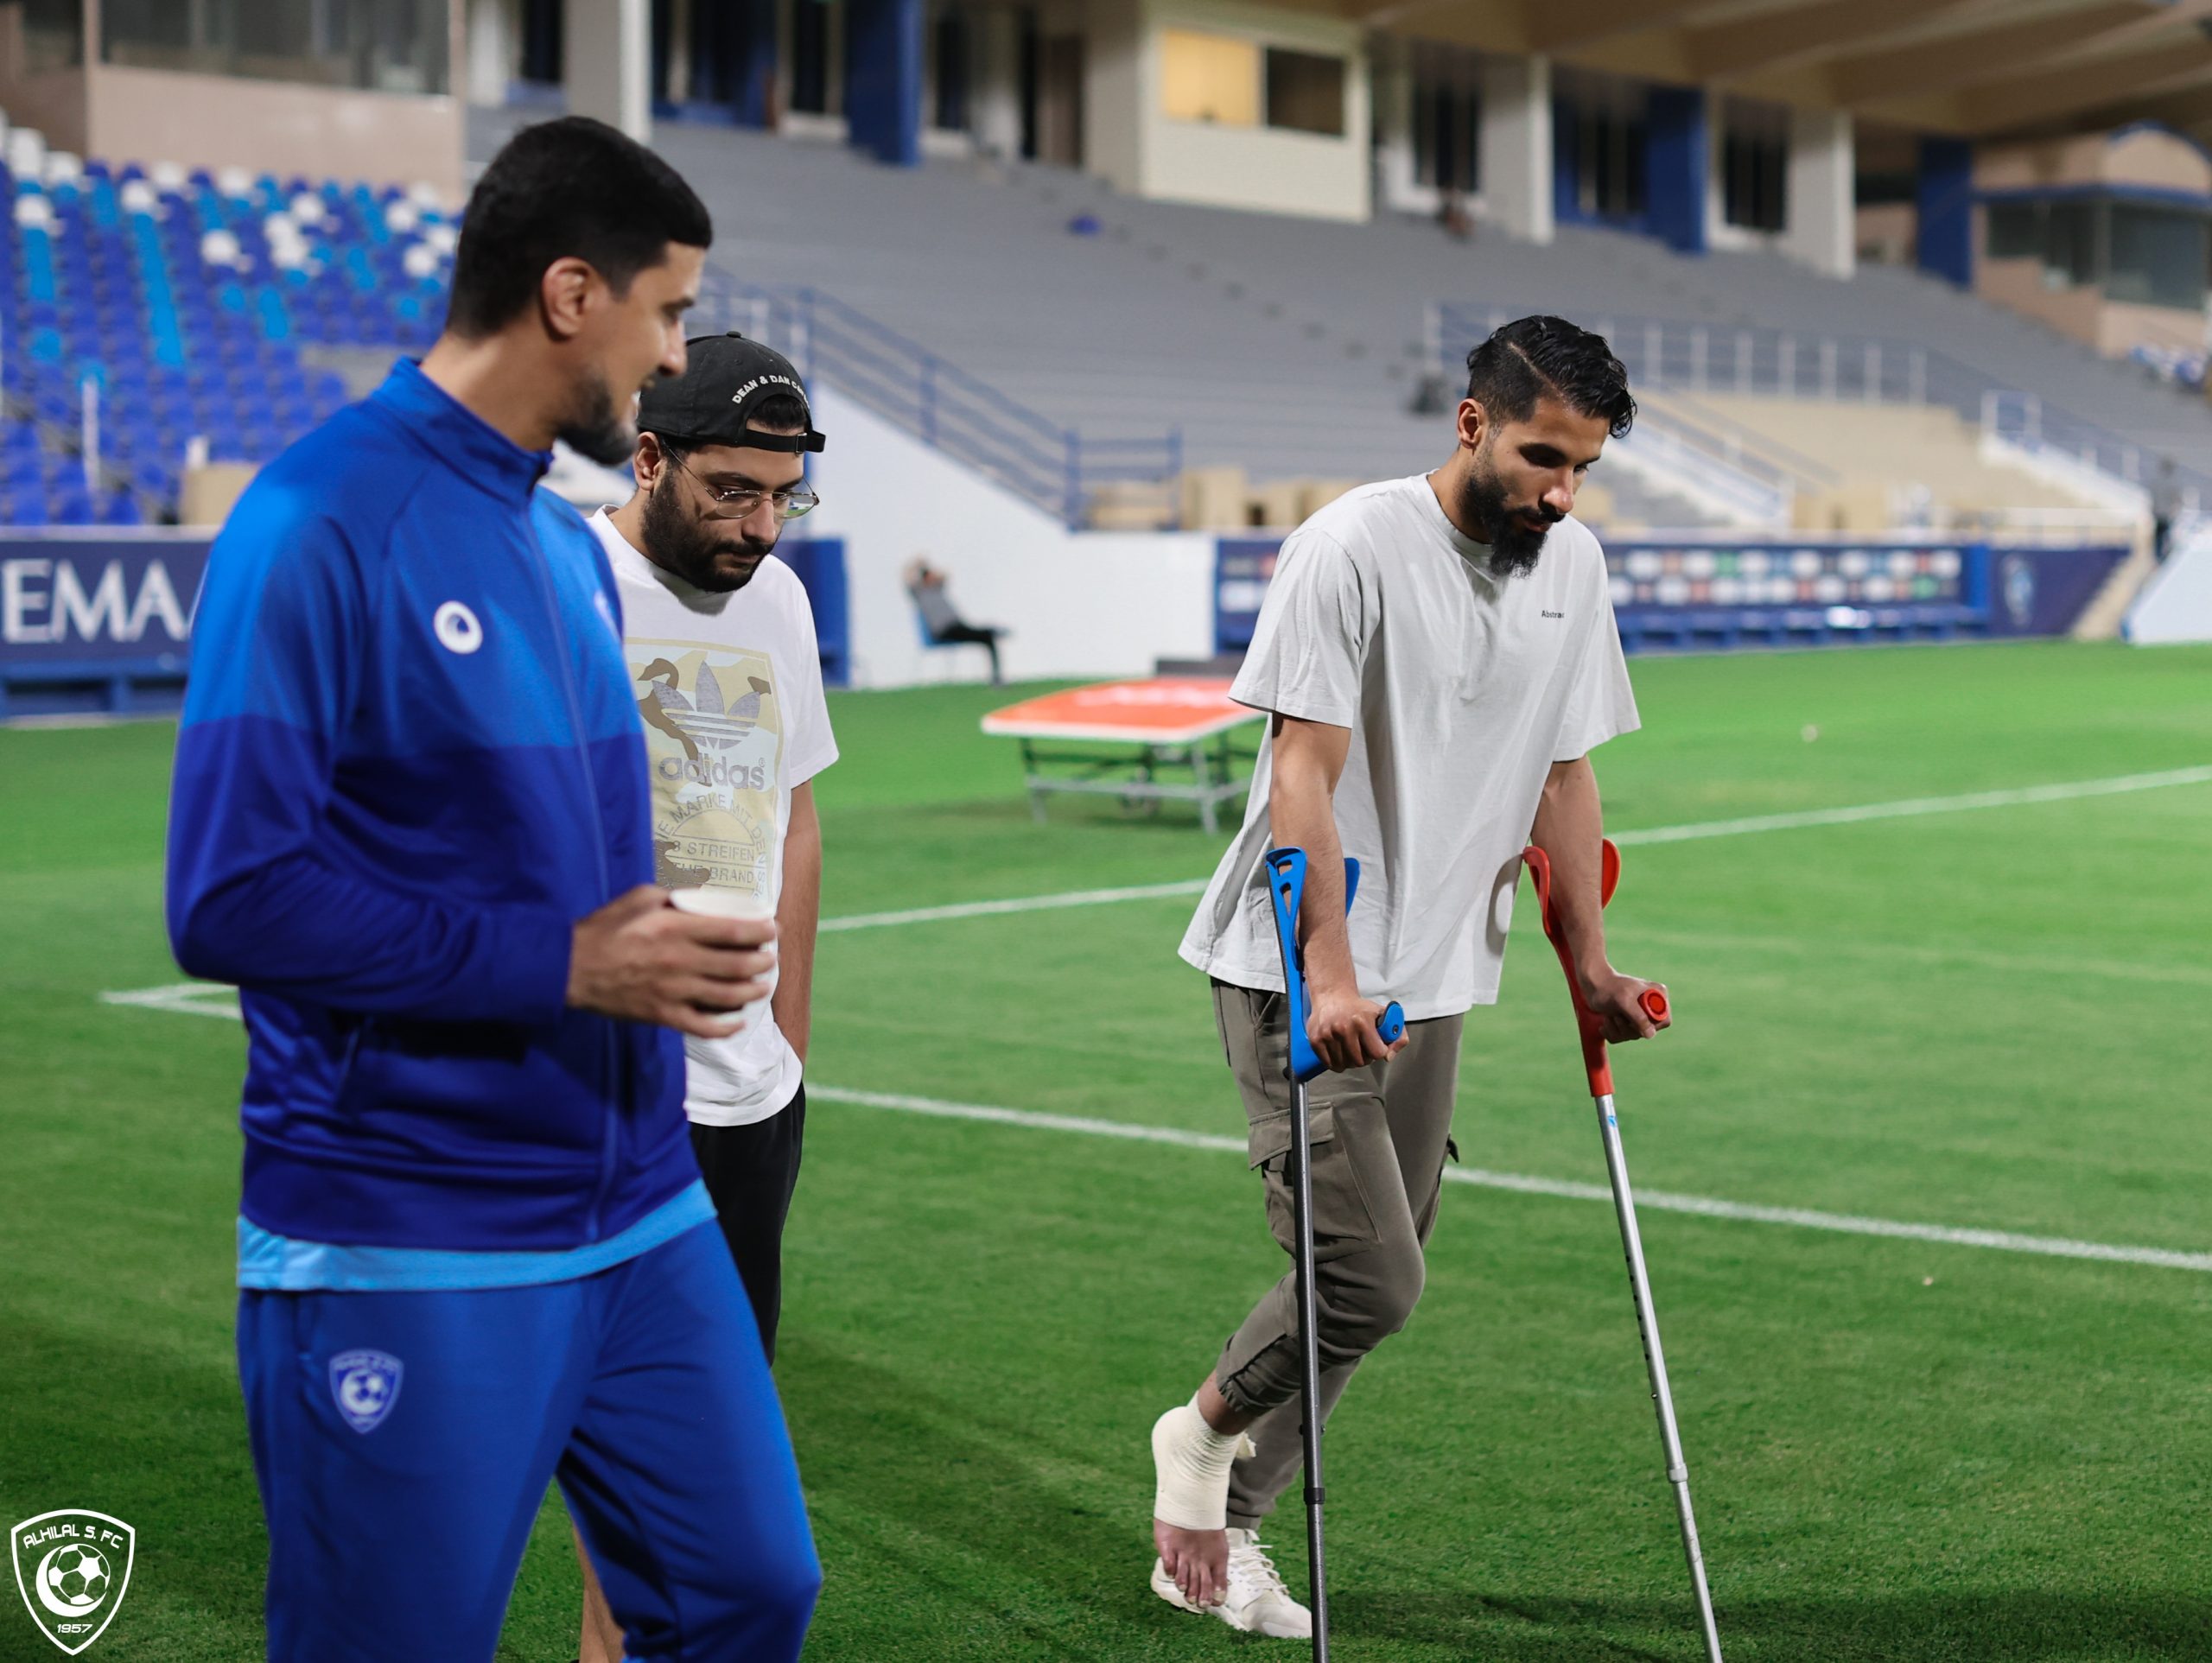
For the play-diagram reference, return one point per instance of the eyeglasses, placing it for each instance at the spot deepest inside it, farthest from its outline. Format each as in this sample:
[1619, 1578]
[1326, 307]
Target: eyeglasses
[738, 502]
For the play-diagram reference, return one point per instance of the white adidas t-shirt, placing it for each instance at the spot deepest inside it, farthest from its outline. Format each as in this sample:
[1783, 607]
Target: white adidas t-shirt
[1460, 689]
[729, 687]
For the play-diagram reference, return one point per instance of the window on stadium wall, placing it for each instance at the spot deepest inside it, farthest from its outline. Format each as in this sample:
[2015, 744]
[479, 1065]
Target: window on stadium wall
[2139, 255]
[1447, 135]
[541, 42]
[2060, 237]
[810, 57]
[2015, 231]
[2158, 257]
[718, 42]
[1213, 79]
[1755, 166]
[1612, 176]
[1225, 81]
[2071, 252]
[53, 33]
[1306, 92]
[386, 46]
[949, 76]
[1601, 131]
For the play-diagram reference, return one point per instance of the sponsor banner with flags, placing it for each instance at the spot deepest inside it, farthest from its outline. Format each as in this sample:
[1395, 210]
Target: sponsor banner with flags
[1718, 592]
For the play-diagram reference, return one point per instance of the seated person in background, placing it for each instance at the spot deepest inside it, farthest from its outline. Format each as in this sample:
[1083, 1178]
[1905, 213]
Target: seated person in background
[939, 621]
[2165, 508]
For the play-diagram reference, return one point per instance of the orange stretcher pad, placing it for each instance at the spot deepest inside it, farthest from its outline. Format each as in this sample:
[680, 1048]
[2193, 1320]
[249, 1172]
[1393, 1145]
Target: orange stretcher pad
[1171, 725]
[1161, 711]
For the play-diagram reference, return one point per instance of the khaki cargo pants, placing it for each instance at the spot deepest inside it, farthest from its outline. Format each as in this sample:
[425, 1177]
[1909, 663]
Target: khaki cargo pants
[1379, 1136]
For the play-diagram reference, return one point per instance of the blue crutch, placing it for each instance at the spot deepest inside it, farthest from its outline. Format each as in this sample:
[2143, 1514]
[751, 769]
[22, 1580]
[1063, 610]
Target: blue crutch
[1286, 888]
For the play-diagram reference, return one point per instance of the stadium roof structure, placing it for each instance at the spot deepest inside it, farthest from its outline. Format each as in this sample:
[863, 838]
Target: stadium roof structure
[1976, 68]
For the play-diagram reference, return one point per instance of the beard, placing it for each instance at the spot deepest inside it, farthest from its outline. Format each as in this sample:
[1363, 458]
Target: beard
[597, 425]
[692, 549]
[1514, 548]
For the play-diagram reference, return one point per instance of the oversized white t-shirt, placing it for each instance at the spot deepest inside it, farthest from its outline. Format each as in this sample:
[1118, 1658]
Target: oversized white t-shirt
[1460, 689]
[729, 687]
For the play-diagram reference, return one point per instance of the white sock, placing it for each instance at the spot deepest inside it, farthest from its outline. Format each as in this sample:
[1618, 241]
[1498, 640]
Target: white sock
[1191, 1462]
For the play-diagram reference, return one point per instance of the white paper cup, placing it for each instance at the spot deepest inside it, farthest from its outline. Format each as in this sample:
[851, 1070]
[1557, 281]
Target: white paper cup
[729, 904]
[717, 903]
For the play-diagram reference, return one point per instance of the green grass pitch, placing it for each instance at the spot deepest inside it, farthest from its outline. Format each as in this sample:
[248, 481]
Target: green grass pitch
[1901, 1450]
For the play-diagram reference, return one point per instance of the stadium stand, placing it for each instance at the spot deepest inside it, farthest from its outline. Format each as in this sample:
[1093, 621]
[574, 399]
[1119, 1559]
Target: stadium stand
[150, 315]
[1295, 347]
[212, 313]
[1104, 335]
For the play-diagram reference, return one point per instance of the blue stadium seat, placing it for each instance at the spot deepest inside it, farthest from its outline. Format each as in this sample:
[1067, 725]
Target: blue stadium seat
[183, 348]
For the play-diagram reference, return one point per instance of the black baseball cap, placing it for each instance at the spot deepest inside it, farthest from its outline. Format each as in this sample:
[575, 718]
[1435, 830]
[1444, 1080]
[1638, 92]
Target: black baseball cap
[726, 378]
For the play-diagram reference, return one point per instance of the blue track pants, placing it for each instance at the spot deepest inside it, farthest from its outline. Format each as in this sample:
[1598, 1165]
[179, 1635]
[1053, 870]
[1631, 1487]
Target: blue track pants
[404, 1442]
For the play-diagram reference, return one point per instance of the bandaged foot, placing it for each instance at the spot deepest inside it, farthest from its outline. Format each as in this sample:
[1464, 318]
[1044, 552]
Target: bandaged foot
[1190, 1463]
[1190, 1505]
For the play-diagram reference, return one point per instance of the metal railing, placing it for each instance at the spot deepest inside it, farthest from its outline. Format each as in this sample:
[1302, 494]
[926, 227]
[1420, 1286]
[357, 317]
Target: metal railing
[1698, 358]
[1707, 460]
[1737, 438]
[1053, 467]
[2024, 419]
[1711, 358]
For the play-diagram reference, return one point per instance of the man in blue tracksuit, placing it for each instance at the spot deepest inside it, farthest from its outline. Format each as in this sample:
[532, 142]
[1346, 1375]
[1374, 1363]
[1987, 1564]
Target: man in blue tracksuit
[410, 820]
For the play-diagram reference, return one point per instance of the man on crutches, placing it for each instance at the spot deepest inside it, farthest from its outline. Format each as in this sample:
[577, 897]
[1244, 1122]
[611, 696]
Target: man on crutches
[1438, 656]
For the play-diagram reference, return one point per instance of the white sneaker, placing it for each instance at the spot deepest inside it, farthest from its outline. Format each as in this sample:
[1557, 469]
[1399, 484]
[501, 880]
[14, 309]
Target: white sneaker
[1256, 1601]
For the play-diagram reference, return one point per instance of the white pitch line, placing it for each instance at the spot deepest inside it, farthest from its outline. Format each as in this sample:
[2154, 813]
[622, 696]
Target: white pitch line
[1019, 903]
[1907, 809]
[185, 998]
[197, 999]
[1031, 1118]
[1938, 958]
[1913, 807]
[157, 995]
[1565, 1189]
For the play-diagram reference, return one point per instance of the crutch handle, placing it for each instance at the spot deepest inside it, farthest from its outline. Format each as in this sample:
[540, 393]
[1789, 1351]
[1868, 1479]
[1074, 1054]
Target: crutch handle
[1587, 1021]
[1286, 889]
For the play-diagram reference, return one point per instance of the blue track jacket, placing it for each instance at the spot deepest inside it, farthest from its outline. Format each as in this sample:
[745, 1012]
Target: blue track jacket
[409, 761]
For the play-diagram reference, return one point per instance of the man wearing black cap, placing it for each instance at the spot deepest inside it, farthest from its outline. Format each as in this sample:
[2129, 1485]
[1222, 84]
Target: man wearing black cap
[728, 677]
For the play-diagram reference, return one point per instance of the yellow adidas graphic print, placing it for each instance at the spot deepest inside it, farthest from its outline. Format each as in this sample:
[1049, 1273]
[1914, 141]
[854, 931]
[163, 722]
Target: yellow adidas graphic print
[714, 740]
